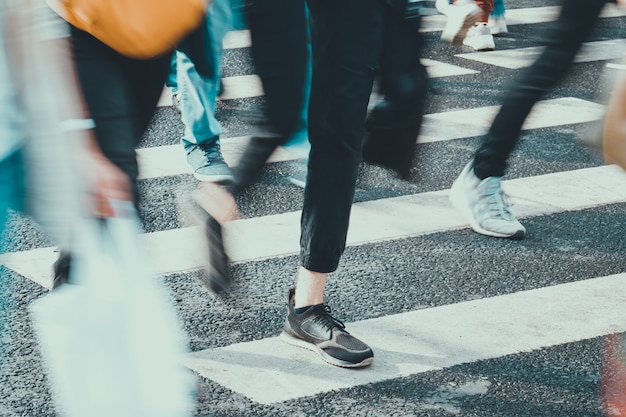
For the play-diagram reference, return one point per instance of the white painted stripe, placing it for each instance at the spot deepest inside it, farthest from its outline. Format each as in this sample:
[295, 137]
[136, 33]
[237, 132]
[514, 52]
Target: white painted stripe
[269, 371]
[523, 57]
[532, 15]
[475, 122]
[161, 161]
[248, 86]
[394, 218]
[237, 39]
[524, 16]
[170, 160]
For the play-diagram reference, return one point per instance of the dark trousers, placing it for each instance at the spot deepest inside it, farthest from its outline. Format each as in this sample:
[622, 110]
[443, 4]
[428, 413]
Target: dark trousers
[562, 43]
[121, 94]
[353, 41]
[278, 30]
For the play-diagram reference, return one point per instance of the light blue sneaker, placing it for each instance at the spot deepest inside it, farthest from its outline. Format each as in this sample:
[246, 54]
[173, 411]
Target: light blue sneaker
[207, 162]
[484, 205]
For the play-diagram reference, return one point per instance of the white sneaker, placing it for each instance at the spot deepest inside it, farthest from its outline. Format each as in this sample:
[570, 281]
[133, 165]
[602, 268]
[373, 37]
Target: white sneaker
[461, 17]
[497, 25]
[479, 37]
[484, 205]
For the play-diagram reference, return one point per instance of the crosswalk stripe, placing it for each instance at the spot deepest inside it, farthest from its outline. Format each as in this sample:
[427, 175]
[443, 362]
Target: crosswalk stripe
[270, 371]
[475, 122]
[248, 86]
[523, 16]
[161, 161]
[170, 160]
[523, 57]
[372, 221]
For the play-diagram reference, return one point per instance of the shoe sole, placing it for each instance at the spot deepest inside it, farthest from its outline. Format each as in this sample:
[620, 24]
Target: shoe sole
[216, 276]
[486, 45]
[455, 36]
[297, 182]
[462, 205]
[224, 179]
[294, 341]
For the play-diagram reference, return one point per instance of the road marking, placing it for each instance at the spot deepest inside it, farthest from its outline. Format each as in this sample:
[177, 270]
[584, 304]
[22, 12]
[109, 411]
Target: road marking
[248, 86]
[270, 371]
[459, 124]
[170, 160]
[525, 16]
[523, 57]
[278, 235]
[161, 161]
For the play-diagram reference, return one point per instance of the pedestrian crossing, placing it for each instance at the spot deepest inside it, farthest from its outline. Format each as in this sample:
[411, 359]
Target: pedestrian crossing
[266, 371]
[278, 235]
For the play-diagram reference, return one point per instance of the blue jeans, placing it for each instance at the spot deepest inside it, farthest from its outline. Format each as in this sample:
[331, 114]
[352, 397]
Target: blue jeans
[171, 81]
[198, 94]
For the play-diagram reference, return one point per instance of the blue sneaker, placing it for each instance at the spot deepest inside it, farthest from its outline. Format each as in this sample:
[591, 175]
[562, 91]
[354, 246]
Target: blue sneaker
[207, 162]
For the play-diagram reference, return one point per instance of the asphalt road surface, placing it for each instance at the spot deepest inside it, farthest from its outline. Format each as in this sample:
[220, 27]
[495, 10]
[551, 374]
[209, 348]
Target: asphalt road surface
[461, 324]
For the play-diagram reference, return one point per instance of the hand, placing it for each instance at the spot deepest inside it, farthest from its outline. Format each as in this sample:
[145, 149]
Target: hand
[107, 183]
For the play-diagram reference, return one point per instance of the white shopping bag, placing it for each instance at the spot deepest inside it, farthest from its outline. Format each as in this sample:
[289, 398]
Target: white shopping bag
[111, 340]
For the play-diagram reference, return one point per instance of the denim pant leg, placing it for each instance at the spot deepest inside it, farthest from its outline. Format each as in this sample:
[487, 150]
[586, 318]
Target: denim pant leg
[198, 94]
[346, 39]
[171, 81]
[564, 40]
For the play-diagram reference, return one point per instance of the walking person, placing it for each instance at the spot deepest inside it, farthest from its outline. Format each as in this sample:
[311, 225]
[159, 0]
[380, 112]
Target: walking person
[477, 192]
[278, 30]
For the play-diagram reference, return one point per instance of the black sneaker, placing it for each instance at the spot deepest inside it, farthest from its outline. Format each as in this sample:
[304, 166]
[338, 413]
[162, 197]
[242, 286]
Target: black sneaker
[317, 330]
[61, 270]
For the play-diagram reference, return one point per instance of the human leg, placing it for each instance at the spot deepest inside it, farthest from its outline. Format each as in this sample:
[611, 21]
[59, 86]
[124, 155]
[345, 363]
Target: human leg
[479, 37]
[462, 15]
[278, 29]
[346, 38]
[198, 97]
[477, 192]
[121, 95]
[497, 21]
[393, 125]
[564, 40]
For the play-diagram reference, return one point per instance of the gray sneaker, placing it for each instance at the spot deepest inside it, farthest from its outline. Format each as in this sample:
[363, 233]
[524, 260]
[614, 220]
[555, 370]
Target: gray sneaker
[207, 162]
[484, 205]
[317, 330]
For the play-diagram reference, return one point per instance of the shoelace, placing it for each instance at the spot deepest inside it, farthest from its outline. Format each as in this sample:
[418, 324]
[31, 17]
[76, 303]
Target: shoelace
[211, 151]
[325, 318]
[496, 200]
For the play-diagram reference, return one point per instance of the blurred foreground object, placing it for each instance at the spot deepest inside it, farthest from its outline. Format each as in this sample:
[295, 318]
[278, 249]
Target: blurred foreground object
[613, 378]
[110, 342]
[137, 29]
[614, 129]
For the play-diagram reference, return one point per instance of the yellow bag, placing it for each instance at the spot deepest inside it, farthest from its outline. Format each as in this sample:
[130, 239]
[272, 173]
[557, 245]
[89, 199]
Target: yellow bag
[135, 28]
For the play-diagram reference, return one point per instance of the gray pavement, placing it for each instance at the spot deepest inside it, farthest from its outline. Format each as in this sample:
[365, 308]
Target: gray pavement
[380, 279]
